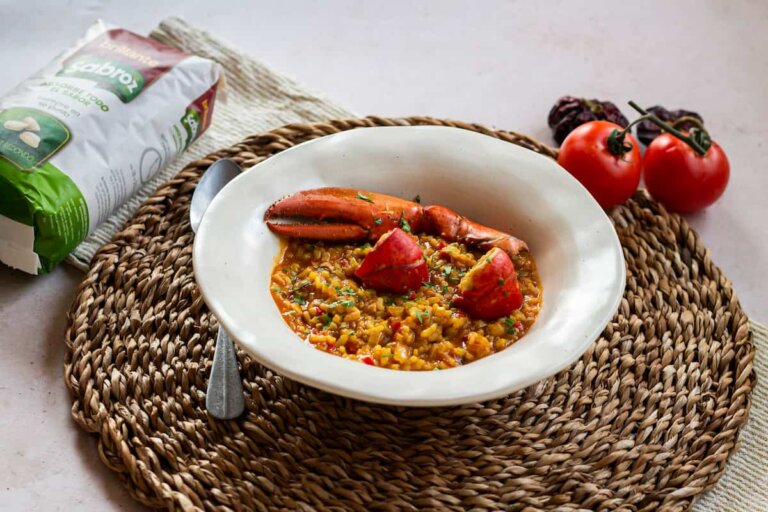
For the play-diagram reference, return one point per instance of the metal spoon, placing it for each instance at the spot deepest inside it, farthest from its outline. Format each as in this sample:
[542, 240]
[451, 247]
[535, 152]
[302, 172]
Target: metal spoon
[224, 398]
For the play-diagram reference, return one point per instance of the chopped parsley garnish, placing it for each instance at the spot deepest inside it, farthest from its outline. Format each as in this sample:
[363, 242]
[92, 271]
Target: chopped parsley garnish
[301, 284]
[298, 299]
[445, 289]
[417, 199]
[404, 224]
[377, 221]
[276, 289]
[345, 303]
[420, 315]
[427, 284]
[447, 270]
[506, 293]
[487, 260]
[500, 282]
[364, 197]
[294, 279]
[345, 291]
[328, 319]
[388, 301]
[510, 323]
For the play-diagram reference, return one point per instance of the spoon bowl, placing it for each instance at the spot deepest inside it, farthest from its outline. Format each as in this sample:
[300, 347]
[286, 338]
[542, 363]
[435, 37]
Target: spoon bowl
[214, 179]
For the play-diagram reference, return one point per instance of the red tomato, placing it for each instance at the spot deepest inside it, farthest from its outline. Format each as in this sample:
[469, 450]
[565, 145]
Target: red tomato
[681, 179]
[611, 177]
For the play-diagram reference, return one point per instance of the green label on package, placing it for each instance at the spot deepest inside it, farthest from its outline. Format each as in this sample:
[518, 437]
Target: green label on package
[122, 80]
[29, 137]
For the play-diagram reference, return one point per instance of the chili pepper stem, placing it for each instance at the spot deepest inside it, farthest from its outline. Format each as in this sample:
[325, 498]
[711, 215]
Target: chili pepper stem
[593, 106]
[698, 146]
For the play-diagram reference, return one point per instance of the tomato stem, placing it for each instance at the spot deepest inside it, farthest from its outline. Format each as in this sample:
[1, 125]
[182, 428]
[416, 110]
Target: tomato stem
[688, 119]
[617, 143]
[698, 140]
[633, 123]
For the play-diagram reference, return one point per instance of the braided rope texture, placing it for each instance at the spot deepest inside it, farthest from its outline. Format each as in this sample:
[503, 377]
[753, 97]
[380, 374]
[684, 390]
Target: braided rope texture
[644, 421]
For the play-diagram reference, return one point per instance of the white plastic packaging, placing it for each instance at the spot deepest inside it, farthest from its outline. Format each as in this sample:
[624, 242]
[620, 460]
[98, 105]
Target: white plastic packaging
[82, 135]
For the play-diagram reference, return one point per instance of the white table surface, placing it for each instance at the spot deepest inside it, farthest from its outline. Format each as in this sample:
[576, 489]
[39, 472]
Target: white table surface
[497, 63]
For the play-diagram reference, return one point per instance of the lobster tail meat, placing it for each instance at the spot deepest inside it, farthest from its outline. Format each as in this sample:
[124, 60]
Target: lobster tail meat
[490, 289]
[395, 264]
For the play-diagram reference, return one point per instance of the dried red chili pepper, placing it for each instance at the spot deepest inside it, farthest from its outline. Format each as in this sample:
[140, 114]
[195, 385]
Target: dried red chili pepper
[570, 112]
[682, 120]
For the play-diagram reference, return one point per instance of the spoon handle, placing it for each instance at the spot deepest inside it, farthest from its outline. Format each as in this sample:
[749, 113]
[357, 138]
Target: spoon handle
[224, 398]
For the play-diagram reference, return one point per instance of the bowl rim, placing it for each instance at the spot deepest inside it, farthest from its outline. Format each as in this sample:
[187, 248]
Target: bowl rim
[244, 338]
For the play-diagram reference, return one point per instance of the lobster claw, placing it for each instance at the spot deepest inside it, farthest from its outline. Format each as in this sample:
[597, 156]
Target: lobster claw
[340, 214]
[448, 224]
[346, 215]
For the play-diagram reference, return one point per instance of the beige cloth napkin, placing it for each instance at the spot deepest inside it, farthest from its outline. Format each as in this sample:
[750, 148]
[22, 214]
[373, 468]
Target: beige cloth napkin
[260, 99]
[744, 485]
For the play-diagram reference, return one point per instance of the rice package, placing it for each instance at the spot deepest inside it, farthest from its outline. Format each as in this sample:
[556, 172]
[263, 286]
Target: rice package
[82, 135]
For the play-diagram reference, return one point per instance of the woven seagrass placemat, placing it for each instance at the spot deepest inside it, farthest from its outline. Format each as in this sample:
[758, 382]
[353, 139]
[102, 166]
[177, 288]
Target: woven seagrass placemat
[645, 420]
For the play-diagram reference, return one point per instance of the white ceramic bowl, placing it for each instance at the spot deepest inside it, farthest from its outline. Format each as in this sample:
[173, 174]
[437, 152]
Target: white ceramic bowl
[494, 182]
